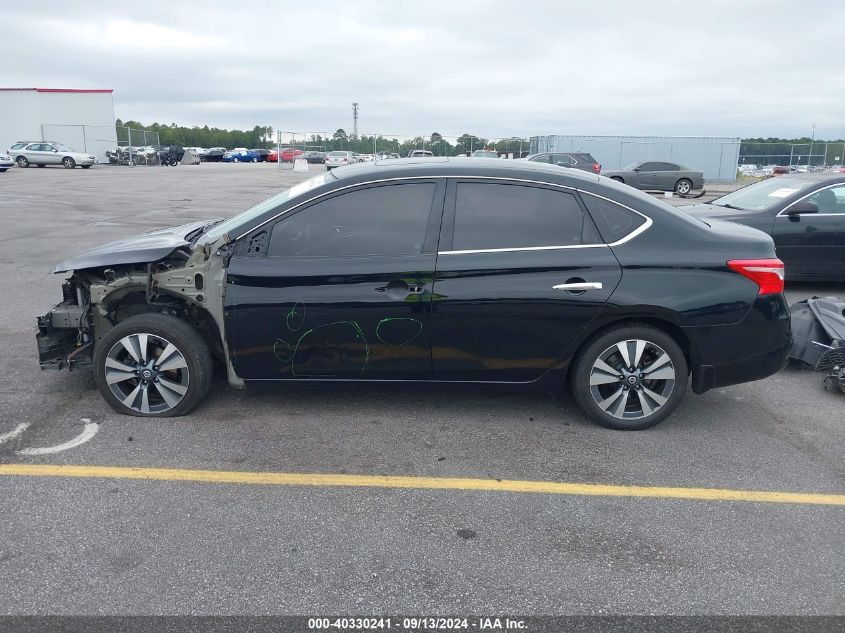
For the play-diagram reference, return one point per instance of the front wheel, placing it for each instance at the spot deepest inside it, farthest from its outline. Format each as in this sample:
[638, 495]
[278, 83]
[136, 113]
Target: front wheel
[152, 365]
[68, 162]
[236, 160]
[22, 161]
[683, 187]
[630, 378]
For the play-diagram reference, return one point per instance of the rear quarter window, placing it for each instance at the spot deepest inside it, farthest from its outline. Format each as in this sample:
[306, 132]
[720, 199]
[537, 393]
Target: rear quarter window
[613, 221]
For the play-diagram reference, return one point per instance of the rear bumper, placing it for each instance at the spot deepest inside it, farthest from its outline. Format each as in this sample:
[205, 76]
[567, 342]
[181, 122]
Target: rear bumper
[755, 348]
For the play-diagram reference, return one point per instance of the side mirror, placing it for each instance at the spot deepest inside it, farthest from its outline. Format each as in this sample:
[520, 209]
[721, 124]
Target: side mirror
[800, 208]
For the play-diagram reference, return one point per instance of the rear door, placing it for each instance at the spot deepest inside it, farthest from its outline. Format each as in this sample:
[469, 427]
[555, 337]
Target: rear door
[813, 244]
[667, 175]
[340, 289]
[520, 273]
[648, 176]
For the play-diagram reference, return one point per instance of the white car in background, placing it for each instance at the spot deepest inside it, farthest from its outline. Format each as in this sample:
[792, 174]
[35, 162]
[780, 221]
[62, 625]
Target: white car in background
[366, 158]
[6, 162]
[43, 153]
[340, 159]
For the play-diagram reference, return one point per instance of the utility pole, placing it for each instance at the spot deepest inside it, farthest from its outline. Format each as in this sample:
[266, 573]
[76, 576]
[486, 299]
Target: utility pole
[812, 140]
[355, 119]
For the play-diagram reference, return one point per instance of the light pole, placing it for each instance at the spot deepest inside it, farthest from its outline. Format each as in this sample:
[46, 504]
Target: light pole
[812, 139]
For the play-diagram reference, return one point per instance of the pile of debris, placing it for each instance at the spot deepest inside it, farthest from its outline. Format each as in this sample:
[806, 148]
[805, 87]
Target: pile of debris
[818, 329]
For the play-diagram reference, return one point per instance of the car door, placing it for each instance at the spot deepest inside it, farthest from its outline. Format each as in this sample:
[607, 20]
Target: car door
[667, 175]
[648, 176]
[520, 273]
[813, 244]
[36, 153]
[339, 289]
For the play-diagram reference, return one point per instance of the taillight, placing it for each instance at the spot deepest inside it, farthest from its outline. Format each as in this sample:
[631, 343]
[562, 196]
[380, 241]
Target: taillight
[768, 274]
[597, 168]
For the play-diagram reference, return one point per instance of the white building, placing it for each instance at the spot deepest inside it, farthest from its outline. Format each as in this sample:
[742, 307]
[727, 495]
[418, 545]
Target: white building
[81, 119]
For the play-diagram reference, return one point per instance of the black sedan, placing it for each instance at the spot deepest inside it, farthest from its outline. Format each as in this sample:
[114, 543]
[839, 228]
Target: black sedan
[454, 270]
[317, 158]
[658, 176]
[804, 214]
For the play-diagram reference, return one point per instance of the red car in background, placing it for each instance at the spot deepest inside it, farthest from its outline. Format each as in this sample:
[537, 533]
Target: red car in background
[288, 154]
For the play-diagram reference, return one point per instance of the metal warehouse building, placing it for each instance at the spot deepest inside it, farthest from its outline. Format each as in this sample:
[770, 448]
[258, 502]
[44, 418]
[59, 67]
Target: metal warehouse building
[81, 119]
[717, 157]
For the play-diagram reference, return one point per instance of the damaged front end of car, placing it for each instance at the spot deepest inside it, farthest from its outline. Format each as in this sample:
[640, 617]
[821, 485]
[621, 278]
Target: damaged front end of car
[159, 272]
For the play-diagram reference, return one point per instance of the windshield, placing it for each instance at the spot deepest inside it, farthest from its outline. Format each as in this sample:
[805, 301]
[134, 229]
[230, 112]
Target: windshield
[337, 153]
[229, 226]
[631, 167]
[762, 195]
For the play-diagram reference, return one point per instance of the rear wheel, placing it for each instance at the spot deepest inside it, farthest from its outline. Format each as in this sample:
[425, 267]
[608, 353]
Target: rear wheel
[683, 186]
[630, 378]
[68, 162]
[153, 365]
[254, 159]
[22, 161]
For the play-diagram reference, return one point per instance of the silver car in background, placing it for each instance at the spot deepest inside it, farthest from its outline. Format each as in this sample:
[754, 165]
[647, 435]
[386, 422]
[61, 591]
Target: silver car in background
[340, 159]
[43, 153]
[659, 176]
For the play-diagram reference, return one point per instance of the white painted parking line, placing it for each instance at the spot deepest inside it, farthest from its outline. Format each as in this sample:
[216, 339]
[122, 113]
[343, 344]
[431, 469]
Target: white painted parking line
[20, 428]
[90, 431]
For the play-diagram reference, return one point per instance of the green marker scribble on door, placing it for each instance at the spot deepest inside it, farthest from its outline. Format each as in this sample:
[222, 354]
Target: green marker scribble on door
[282, 350]
[295, 317]
[344, 349]
[398, 330]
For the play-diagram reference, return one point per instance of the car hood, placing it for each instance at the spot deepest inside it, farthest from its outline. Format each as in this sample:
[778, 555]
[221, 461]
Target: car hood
[147, 247]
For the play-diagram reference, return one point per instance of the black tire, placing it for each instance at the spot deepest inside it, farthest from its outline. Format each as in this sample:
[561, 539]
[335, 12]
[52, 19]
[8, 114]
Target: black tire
[22, 161]
[188, 343]
[617, 179]
[683, 186]
[68, 162]
[236, 160]
[587, 395]
[2, 169]
[86, 166]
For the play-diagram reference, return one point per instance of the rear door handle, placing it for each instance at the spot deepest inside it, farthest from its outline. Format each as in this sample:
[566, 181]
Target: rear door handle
[583, 285]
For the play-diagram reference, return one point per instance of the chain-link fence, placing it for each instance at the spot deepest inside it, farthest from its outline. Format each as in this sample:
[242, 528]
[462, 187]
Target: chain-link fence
[109, 143]
[312, 146]
[811, 155]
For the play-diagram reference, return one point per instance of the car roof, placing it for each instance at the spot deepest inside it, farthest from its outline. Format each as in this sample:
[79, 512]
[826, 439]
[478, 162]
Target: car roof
[468, 166]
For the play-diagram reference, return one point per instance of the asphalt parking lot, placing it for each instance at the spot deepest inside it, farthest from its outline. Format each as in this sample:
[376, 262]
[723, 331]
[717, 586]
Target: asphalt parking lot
[170, 541]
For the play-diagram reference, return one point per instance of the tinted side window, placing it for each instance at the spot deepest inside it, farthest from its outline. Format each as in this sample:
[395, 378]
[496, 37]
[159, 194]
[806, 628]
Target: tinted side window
[565, 160]
[387, 220]
[613, 221]
[541, 158]
[516, 216]
[650, 167]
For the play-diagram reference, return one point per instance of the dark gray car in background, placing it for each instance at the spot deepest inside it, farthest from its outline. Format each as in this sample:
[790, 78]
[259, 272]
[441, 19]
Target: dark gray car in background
[575, 160]
[659, 176]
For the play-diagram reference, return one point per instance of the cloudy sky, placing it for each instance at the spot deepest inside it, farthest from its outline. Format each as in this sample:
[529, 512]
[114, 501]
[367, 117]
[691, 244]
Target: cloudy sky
[495, 69]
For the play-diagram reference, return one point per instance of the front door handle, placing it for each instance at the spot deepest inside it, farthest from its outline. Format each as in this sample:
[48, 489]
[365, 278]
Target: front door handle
[399, 289]
[582, 285]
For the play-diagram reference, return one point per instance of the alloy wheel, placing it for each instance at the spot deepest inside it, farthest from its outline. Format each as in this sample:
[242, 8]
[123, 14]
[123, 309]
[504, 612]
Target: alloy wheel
[147, 373]
[683, 187]
[632, 379]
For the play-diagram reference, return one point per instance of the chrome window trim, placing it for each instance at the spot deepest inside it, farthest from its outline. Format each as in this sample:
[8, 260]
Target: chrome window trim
[783, 214]
[648, 221]
[638, 231]
[520, 249]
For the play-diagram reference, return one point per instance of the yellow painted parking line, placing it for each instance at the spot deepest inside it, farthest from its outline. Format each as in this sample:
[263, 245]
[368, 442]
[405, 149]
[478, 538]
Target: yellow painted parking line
[421, 483]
